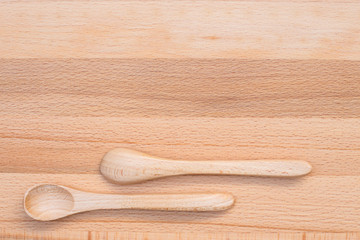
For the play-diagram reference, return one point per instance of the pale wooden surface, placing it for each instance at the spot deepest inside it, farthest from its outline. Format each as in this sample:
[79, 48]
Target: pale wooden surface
[179, 29]
[281, 80]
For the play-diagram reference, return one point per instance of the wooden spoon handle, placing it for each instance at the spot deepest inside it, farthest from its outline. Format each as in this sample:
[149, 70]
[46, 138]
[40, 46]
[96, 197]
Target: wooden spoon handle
[270, 168]
[169, 202]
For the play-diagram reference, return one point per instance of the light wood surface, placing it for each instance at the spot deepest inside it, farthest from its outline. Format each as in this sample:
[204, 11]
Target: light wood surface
[267, 29]
[187, 80]
[97, 235]
[127, 166]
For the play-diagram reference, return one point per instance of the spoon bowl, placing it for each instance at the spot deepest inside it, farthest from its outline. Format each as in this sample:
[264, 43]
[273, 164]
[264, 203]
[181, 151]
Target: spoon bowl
[48, 202]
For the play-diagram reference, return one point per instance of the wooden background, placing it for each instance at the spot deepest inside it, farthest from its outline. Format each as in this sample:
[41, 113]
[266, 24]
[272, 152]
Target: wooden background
[192, 80]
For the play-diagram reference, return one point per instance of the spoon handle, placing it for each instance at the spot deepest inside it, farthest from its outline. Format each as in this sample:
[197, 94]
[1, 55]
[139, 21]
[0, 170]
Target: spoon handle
[270, 168]
[169, 202]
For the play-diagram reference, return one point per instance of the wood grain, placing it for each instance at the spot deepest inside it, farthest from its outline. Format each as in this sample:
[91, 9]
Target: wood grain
[174, 236]
[188, 80]
[180, 88]
[56, 119]
[65, 115]
[180, 29]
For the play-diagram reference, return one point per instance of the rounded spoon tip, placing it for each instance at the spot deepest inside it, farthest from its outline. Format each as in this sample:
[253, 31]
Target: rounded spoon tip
[303, 168]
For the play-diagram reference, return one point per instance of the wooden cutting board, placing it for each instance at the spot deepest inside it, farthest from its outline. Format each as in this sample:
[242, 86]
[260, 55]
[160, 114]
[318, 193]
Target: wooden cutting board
[192, 80]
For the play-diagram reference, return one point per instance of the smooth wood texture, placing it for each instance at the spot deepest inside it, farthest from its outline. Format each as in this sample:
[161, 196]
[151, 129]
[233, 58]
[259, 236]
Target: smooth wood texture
[89, 114]
[180, 29]
[47, 202]
[188, 80]
[97, 235]
[126, 166]
[70, 136]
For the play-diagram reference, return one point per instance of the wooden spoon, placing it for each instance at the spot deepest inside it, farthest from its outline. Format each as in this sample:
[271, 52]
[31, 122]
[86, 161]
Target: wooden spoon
[48, 202]
[126, 166]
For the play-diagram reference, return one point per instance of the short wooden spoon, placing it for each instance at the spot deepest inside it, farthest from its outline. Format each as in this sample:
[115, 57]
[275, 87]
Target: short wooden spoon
[126, 166]
[48, 202]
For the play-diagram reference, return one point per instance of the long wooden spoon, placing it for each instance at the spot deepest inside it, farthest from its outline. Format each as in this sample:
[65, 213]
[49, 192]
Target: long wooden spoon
[48, 202]
[126, 166]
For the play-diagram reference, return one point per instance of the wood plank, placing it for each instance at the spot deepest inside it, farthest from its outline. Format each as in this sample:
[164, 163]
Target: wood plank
[94, 235]
[77, 144]
[180, 88]
[180, 29]
[312, 203]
